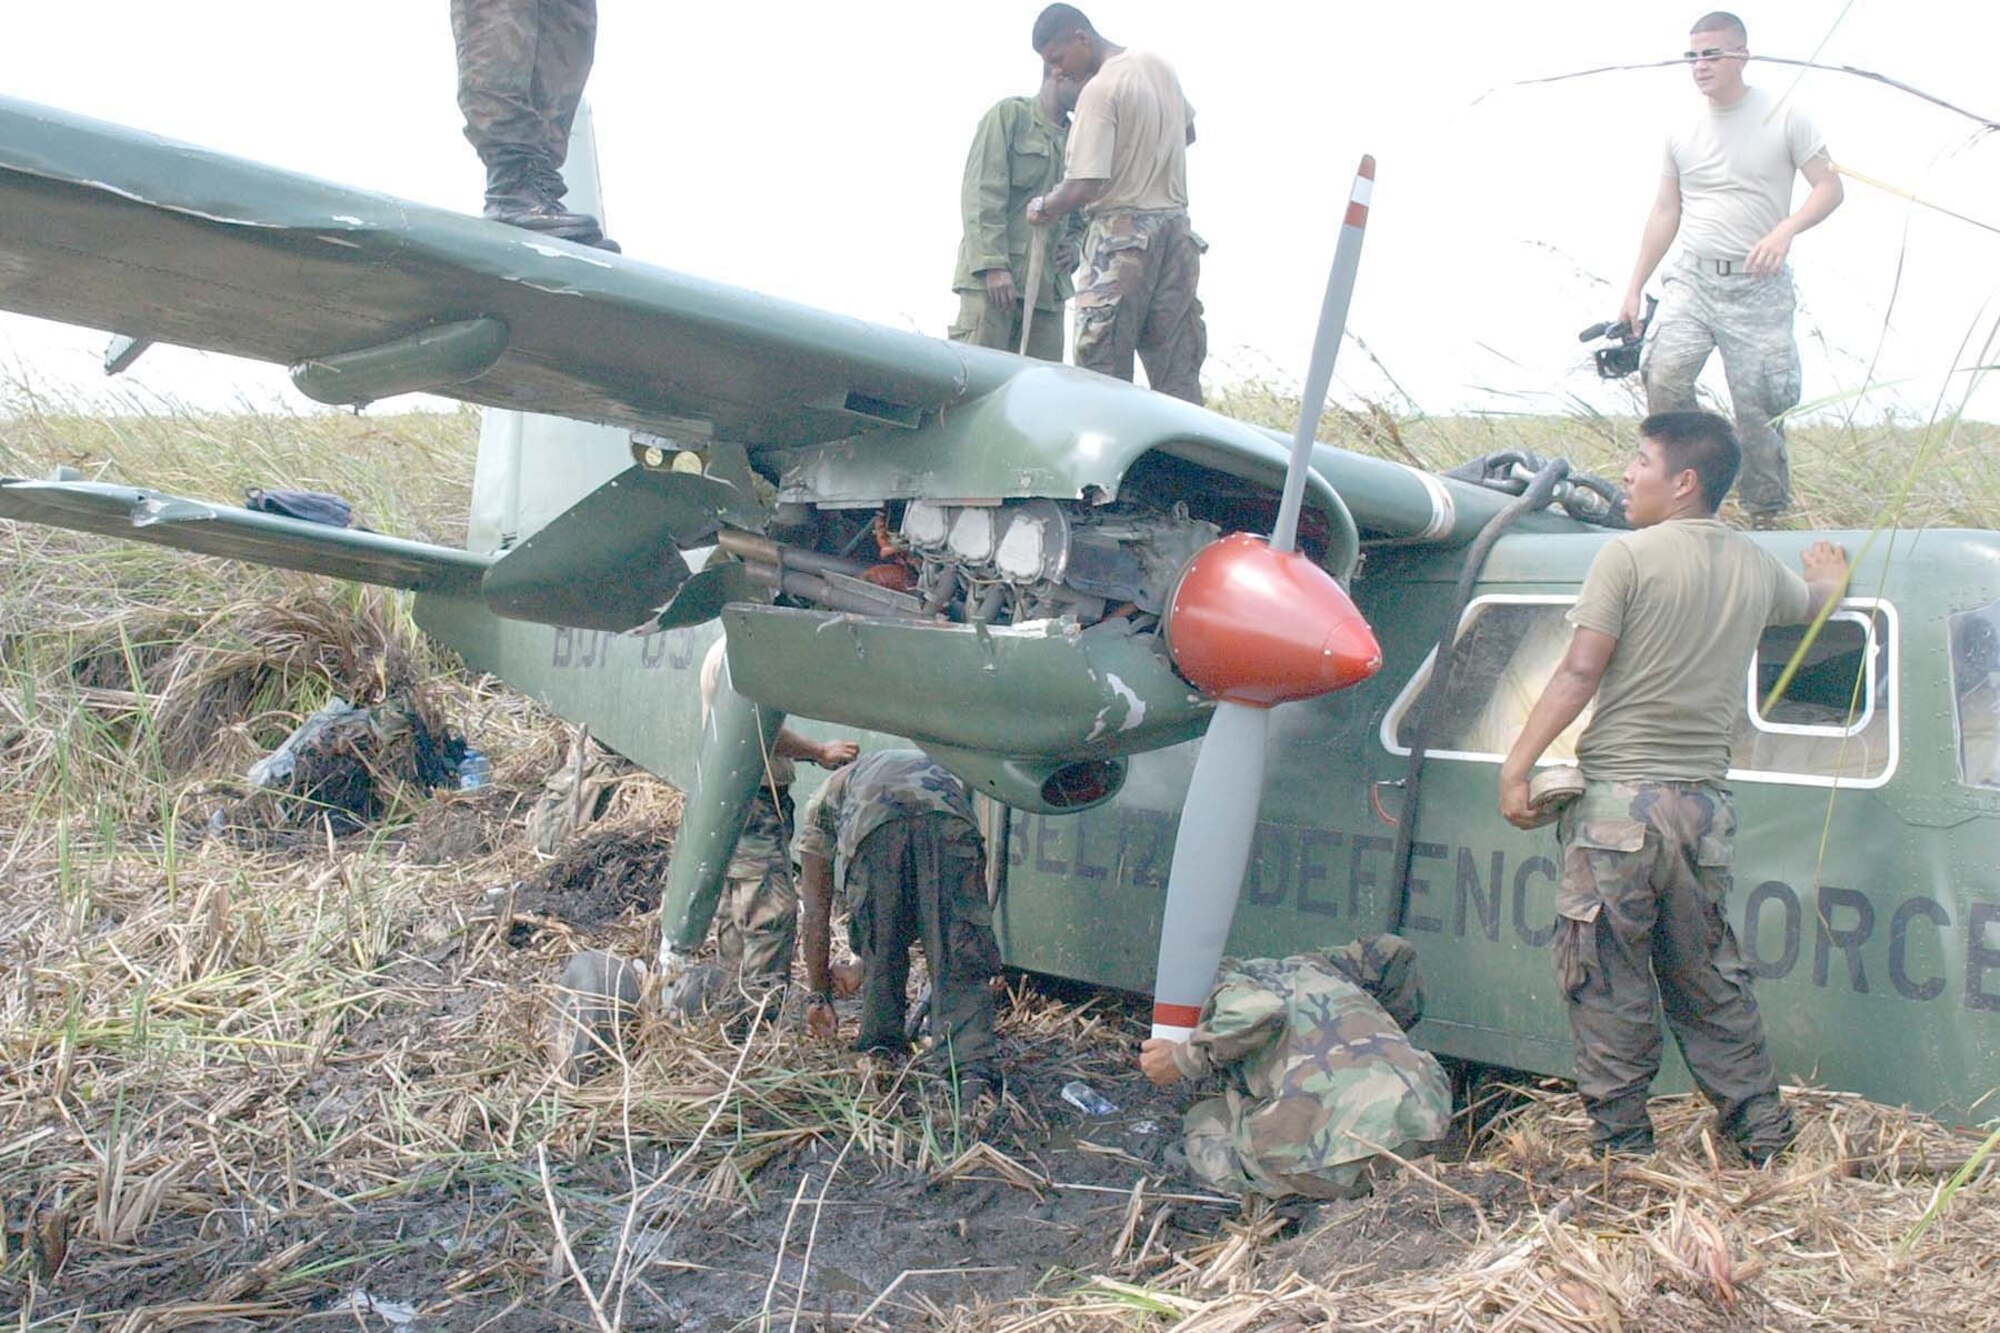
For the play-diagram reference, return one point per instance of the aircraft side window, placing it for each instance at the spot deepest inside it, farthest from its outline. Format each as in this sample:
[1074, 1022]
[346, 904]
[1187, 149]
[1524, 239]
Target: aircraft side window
[1975, 687]
[1835, 716]
[1506, 652]
[1834, 722]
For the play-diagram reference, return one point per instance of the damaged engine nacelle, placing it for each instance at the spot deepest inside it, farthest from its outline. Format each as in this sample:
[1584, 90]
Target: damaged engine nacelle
[1035, 559]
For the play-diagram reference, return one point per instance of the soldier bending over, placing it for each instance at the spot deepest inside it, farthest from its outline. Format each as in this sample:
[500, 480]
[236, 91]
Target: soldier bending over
[894, 835]
[1318, 1075]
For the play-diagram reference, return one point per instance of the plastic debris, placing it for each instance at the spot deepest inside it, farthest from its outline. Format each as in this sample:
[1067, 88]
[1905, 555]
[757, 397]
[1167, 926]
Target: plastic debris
[275, 769]
[1087, 1099]
[474, 771]
[393, 1313]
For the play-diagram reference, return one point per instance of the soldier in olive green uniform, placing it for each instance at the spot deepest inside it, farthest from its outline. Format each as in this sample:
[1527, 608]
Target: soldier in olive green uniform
[1017, 153]
[1666, 624]
[893, 835]
[521, 70]
[1317, 1074]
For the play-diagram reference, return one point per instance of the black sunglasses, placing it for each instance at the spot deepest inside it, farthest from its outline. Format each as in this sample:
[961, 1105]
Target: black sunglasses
[1713, 53]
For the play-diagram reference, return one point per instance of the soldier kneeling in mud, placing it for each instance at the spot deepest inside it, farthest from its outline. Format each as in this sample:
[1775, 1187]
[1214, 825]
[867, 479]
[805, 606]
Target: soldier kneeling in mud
[1318, 1077]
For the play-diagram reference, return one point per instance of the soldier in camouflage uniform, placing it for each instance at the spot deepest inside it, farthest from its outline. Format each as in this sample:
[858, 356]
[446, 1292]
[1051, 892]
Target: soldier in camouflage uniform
[1725, 191]
[1318, 1075]
[756, 921]
[893, 836]
[521, 70]
[1668, 619]
[1126, 168]
[1017, 153]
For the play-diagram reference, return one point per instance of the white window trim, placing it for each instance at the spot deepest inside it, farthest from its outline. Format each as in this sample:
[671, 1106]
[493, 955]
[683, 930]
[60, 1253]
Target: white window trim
[1406, 698]
[1753, 705]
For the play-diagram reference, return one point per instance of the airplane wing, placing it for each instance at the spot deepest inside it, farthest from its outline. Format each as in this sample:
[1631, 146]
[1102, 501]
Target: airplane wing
[243, 534]
[364, 295]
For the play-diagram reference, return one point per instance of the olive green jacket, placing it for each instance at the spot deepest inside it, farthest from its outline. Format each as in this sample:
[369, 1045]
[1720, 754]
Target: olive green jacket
[1016, 154]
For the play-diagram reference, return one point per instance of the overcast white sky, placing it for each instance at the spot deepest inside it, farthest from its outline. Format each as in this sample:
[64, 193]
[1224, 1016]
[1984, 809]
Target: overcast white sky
[813, 151]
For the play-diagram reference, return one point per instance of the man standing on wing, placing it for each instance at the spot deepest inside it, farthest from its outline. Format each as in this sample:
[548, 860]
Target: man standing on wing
[1016, 154]
[521, 70]
[1127, 170]
[1726, 190]
[1665, 627]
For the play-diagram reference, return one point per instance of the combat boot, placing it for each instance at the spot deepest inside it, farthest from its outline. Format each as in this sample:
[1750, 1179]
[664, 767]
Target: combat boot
[515, 195]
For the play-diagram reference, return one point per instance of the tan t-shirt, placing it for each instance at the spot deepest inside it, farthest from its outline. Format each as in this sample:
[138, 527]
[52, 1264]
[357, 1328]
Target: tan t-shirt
[1130, 131]
[1736, 168]
[1687, 601]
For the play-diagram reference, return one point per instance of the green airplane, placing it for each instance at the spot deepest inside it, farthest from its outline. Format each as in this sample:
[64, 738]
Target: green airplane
[1038, 575]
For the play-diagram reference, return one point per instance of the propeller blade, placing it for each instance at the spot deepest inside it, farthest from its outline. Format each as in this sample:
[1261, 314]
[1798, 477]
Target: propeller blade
[1326, 346]
[1253, 625]
[1211, 852]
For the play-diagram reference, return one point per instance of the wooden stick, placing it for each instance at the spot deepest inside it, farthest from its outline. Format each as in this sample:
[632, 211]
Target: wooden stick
[1038, 253]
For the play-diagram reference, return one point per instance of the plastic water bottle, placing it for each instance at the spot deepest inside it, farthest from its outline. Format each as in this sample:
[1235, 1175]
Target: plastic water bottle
[474, 771]
[1087, 1099]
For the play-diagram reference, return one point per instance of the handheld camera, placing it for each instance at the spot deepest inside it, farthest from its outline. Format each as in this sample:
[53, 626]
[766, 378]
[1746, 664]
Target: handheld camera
[1621, 358]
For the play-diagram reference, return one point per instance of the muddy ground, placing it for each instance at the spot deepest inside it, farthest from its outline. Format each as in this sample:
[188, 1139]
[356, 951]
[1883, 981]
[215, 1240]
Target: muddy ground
[387, 1149]
[918, 1217]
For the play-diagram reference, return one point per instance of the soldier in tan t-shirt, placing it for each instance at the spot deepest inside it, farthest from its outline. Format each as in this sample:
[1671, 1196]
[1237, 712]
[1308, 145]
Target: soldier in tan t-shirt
[1666, 625]
[1126, 168]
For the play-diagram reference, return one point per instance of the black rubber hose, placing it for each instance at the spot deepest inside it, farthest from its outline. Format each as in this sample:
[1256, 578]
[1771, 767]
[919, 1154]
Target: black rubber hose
[1541, 491]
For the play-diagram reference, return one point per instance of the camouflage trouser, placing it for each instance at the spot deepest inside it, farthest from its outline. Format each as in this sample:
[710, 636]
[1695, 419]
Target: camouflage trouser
[1749, 321]
[1137, 294]
[575, 795]
[1645, 878]
[521, 71]
[1215, 1154]
[757, 919]
[979, 325]
[923, 880]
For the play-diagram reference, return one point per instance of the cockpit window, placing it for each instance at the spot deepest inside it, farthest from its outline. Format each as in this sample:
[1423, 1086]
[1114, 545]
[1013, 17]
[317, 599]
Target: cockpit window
[1835, 720]
[1975, 688]
[1506, 652]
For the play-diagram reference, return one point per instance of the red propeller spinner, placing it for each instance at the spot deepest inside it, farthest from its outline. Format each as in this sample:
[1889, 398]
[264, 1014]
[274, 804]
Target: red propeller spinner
[1261, 627]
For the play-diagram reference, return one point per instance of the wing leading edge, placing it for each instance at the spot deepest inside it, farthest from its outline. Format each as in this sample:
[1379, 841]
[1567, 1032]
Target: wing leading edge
[117, 229]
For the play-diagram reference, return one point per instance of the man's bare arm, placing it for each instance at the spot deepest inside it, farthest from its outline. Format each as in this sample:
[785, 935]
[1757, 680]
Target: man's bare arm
[1825, 566]
[1662, 225]
[827, 754]
[1768, 255]
[816, 927]
[1074, 193]
[1573, 686]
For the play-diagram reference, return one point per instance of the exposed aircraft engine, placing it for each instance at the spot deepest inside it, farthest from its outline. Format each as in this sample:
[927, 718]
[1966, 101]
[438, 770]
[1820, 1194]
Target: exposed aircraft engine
[1033, 559]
